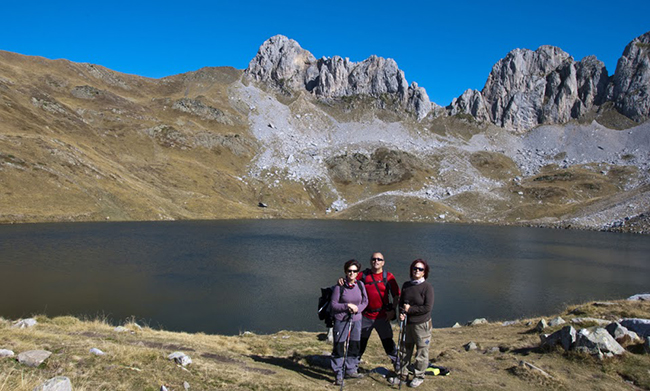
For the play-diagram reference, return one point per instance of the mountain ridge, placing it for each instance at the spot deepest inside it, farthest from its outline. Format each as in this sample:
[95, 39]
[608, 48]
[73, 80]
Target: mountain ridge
[80, 142]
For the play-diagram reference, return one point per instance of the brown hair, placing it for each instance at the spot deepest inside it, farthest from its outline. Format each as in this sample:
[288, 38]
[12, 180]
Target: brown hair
[352, 262]
[426, 267]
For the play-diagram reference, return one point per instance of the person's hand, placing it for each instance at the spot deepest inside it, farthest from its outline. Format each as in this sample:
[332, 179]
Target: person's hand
[341, 281]
[353, 308]
[402, 316]
[406, 307]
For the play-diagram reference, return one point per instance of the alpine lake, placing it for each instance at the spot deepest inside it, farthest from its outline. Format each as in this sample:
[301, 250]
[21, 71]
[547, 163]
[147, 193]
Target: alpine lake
[227, 277]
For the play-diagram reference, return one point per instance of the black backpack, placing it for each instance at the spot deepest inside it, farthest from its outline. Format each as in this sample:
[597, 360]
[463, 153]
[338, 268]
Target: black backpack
[324, 304]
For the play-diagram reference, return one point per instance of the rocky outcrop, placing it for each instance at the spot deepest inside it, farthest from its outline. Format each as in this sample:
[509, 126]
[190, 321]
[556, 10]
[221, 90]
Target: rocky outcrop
[282, 63]
[383, 167]
[630, 88]
[547, 86]
[528, 88]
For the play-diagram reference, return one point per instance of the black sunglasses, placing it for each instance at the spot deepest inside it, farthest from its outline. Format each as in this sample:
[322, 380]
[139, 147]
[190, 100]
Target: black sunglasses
[418, 269]
[352, 271]
[376, 259]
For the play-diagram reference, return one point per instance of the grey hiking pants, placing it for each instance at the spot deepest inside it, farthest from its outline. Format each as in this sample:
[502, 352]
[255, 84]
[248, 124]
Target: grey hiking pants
[338, 352]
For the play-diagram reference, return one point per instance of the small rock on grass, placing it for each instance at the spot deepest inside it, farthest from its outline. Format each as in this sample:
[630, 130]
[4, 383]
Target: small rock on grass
[24, 323]
[528, 365]
[97, 352]
[33, 358]
[541, 325]
[470, 346]
[641, 296]
[180, 358]
[6, 353]
[59, 383]
[477, 321]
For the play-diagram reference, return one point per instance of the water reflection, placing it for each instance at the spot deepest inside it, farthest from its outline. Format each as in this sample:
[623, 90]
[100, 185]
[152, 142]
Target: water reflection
[231, 276]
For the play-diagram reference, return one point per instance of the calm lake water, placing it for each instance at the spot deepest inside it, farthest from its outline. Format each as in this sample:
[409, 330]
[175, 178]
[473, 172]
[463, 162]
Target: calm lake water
[264, 276]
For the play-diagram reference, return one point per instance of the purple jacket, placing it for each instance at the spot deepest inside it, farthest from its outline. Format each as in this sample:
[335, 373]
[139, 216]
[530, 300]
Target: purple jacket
[355, 295]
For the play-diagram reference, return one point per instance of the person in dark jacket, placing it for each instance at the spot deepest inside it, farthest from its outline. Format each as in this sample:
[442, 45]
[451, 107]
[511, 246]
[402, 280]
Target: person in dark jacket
[416, 303]
[348, 301]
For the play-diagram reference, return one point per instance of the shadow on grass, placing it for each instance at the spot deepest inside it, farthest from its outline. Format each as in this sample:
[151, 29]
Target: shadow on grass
[315, 370]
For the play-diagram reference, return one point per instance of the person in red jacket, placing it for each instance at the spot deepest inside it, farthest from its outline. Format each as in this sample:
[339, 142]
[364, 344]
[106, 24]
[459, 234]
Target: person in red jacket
[381, 287]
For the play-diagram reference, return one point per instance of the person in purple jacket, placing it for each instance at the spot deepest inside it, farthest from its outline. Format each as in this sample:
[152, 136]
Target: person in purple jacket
[348, 301]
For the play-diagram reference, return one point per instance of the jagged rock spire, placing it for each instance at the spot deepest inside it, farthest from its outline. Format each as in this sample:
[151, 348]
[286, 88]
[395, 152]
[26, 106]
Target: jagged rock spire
[281, 62]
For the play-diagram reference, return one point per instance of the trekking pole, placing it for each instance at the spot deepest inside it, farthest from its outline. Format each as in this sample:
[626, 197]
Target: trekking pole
[345, 352]
[402, 344]
[398, 366]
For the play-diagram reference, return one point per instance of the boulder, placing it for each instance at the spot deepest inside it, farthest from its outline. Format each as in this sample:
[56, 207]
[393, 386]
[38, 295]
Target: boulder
[24, 323]
[622, 335]
[541, 325]
[556, 322]
[180, 358]
[639, 326]
[59, 383]
[96, 352]
[510, 323]
[33, 358]
[6, 353]
[565, 337]
[456, 326]
[646, 345]
[595, 340]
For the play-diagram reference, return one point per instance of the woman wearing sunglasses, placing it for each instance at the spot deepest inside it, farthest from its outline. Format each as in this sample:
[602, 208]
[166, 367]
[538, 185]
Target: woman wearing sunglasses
[348, 301]
[416, 303]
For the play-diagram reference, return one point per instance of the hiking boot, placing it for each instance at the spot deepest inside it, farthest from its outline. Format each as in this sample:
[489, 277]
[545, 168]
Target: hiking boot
[338, 382]
[416, 382]
[354, 375]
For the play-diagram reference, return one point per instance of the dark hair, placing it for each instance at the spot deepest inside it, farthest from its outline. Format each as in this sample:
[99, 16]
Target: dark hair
[426, 267]
[351, 262]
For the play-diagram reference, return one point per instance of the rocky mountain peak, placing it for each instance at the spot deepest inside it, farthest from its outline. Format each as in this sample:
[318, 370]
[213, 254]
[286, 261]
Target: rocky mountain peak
[630, 89]
[547, 86]
[282, 63]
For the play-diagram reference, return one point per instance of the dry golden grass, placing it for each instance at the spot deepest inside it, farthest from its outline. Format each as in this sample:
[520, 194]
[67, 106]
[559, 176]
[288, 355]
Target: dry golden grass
[137, 360]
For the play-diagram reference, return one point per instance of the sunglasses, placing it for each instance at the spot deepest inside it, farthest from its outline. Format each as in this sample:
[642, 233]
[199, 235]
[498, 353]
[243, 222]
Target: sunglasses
[377, 259]
[418, 269]
[352, 271]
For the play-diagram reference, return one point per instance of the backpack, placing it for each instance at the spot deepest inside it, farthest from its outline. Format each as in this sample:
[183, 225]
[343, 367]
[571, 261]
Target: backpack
[324, 304]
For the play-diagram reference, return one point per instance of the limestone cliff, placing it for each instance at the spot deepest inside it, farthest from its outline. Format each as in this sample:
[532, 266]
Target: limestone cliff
[282, 63]
[547, 86]
[630, 88]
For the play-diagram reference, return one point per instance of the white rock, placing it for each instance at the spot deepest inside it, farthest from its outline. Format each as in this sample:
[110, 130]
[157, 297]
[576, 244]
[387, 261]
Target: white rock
[96, 352]
[6, 353]
[24, 323]
[59, 383]
[180, 358]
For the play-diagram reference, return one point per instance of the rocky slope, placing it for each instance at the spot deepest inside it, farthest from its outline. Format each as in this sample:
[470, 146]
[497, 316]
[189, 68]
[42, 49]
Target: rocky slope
[327, 138]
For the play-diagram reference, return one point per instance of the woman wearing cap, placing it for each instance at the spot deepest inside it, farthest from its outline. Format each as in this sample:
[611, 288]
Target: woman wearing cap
[416, 303]
[348, 301]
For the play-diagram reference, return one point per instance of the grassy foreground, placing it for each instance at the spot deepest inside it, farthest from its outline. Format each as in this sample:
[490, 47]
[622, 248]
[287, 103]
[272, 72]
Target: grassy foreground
[137, 359]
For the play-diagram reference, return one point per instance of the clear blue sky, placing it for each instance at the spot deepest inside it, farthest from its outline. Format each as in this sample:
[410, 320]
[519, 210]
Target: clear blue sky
[446, 47]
